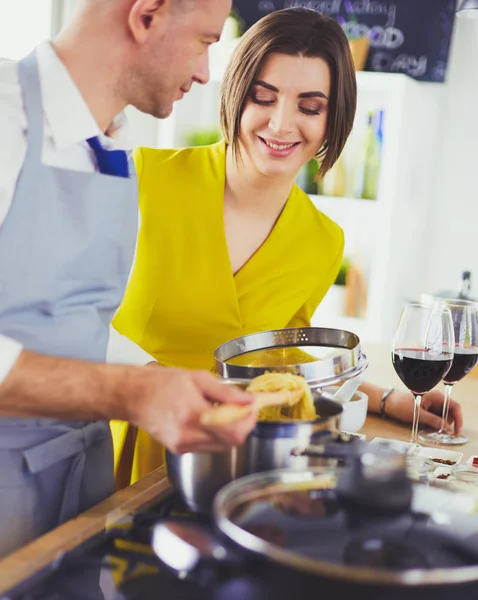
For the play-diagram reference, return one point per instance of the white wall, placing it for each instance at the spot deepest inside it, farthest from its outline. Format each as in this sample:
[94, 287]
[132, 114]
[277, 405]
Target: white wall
[23, 25]
[452, 237]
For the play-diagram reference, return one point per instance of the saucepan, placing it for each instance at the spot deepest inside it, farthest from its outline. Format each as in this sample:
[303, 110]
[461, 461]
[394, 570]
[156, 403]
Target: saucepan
[327, 356]
[197, 477]
[362, 531]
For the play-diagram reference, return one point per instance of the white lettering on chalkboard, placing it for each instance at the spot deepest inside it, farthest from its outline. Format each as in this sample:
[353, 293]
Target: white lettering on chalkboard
[368, 7]
[380, 37]
[403, 63]
[328, 7]
[351, 7]
[266, 6]
[386, 36]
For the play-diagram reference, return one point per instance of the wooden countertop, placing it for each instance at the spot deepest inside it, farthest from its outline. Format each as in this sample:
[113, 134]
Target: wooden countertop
[38, 555]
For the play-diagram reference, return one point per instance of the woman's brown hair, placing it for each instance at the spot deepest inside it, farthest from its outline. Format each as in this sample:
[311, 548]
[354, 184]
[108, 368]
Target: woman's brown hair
[293, 31]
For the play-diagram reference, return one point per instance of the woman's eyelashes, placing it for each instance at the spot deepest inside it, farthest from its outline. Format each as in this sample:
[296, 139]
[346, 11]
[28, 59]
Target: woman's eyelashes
[265, 99]
[262, 98]
[311, 108]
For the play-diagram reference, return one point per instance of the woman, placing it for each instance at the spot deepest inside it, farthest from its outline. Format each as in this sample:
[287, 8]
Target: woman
[229, 245]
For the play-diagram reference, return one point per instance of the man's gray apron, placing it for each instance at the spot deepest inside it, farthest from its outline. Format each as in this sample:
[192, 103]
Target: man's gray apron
[66, 248]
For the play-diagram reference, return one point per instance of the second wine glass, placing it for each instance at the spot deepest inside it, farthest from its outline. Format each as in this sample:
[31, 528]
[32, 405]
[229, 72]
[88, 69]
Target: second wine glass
[422, 350]
[464, 315]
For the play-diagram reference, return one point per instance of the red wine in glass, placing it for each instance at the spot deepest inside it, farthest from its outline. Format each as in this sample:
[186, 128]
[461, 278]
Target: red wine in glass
[422, 351]
[420, 370]
[464, 360]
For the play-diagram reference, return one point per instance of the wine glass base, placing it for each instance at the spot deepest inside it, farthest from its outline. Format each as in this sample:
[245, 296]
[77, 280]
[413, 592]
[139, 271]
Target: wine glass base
[414, 448]
[446, 439]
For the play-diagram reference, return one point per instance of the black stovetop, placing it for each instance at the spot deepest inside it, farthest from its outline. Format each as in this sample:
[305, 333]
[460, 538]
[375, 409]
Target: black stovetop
[120, 564]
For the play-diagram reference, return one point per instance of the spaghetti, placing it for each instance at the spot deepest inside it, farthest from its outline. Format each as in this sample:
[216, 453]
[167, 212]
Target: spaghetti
[303, 410]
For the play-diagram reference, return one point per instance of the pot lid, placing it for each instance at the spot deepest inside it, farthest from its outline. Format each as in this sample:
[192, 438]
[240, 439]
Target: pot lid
[365, 523]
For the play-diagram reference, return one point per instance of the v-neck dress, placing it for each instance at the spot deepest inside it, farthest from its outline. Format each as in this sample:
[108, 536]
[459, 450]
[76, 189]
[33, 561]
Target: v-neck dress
[183, 300]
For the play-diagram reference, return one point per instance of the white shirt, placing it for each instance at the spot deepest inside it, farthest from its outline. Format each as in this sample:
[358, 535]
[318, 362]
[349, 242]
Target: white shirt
[68, 123]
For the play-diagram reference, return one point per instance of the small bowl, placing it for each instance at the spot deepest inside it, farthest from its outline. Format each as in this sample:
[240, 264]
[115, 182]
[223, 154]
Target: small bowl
[466, 474]
[354, 412]
[441, 476]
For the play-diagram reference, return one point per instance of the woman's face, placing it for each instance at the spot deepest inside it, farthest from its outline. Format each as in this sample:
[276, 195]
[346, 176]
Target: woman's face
[285, 117]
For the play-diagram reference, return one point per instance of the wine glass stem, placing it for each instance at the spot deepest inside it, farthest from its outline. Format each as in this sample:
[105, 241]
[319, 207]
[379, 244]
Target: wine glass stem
[416, 413]
[446, 409]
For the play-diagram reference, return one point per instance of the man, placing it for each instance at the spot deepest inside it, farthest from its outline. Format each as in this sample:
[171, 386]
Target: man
[68, 215]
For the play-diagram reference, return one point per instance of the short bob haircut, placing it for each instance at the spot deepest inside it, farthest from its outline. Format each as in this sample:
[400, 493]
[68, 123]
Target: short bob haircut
[293, 31]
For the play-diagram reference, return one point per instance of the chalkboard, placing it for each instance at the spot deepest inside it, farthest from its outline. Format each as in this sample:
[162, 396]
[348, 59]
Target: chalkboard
[406, 36]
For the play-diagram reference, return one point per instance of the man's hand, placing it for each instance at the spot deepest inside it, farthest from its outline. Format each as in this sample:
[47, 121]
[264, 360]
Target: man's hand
[400, 406]
[171, 402]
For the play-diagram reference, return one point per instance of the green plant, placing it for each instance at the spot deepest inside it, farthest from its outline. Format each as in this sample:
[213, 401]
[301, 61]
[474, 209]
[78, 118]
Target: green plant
[239, 22]
[342, 274]
[312, 168]
[203, 137]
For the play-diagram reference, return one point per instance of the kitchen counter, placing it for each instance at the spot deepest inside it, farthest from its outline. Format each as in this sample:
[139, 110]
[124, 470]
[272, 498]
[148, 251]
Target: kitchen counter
[41, 553]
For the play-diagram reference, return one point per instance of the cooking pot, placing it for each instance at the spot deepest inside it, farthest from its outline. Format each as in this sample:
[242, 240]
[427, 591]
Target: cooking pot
[363, 531]
[198, 476]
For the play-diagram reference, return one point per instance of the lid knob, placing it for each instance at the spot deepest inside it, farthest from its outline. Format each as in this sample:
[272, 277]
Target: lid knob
[377, 483]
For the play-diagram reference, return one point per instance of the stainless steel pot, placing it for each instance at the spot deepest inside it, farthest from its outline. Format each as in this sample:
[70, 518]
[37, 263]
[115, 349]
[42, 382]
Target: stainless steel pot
[197, 477]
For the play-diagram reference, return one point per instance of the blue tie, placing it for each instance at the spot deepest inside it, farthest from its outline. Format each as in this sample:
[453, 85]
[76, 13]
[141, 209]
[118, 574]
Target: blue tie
[110, 162]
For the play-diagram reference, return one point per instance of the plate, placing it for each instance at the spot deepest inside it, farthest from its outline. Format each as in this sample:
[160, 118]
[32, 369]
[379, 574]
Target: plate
[360, 436]
[460, 478]
[441, 455]
[466, 474]
[398, 445]
[438, 476]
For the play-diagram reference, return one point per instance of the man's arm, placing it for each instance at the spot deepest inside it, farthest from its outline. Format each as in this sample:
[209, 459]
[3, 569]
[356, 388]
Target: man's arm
[45, 386]
[167, 403]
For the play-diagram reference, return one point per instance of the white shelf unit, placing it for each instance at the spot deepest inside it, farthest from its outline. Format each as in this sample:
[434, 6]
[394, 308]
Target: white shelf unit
[385, 234]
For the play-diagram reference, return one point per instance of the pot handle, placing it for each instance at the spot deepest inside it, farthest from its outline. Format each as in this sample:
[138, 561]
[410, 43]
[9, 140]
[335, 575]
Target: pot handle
[184, 547]
[326, 445]
[323, 452]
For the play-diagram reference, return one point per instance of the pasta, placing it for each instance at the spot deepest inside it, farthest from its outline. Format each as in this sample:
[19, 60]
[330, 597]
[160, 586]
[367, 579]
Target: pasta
[303, 410]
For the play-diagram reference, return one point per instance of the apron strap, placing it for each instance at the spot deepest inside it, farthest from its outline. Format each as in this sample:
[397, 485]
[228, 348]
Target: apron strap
[29, 79]
[74, 444]
[131, 166]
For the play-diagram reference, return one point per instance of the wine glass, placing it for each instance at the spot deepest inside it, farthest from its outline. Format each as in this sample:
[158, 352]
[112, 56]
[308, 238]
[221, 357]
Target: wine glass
[422, 351]
[464, 315]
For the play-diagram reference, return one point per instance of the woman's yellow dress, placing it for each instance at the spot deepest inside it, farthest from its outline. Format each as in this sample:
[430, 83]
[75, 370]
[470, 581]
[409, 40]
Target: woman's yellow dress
[183, 300]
